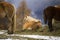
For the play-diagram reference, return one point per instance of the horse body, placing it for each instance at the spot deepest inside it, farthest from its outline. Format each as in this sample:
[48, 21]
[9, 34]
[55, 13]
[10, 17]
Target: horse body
[7, 16]
[31, 23]
[50, 13]
[57, 14]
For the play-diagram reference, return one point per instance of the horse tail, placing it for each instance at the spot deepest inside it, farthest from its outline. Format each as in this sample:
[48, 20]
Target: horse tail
[45, 16]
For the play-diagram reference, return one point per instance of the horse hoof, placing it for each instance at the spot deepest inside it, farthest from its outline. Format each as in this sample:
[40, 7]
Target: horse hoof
[10, 33]
[41, 31]
[51, 30]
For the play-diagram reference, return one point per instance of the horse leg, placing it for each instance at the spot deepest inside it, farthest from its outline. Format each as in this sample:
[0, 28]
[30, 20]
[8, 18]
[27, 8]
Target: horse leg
[45, 20]
[10, 27]
[45, 17]
[50, 25]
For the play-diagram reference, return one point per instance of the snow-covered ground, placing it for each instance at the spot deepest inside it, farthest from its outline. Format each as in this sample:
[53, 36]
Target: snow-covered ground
[28, 36]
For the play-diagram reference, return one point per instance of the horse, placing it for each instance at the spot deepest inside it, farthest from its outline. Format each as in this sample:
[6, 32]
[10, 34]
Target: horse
[51, 12]
[31, 23]
[7, 12]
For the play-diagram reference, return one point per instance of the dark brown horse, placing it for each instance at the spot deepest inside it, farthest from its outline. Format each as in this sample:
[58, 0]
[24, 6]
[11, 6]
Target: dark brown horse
[7, 12]
[50, 13]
